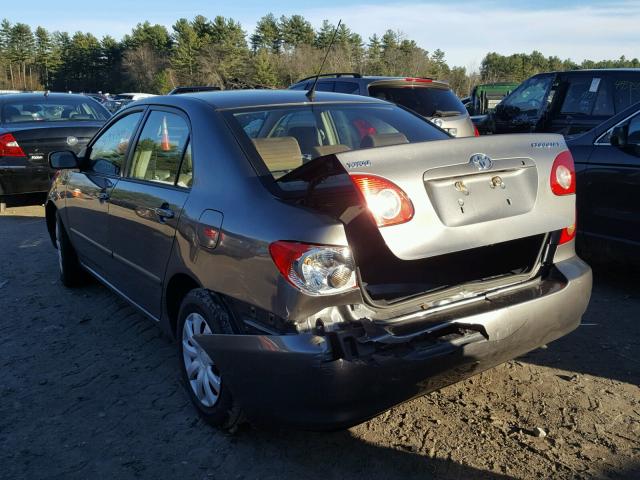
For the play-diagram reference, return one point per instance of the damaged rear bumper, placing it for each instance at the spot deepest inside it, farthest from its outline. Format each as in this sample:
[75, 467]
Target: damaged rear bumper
[336, 381]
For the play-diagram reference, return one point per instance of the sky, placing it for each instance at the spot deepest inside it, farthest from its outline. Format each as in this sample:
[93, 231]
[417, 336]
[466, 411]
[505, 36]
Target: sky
[465, 30]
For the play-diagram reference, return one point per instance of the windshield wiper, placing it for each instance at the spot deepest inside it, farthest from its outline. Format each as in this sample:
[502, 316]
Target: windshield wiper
[446, 113]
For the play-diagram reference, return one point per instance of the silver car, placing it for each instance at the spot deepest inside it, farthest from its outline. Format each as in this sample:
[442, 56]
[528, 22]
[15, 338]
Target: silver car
[321, 261]
[432, 99]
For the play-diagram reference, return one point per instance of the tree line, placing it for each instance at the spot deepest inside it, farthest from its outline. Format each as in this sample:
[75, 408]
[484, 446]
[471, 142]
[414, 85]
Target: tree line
[219, 52]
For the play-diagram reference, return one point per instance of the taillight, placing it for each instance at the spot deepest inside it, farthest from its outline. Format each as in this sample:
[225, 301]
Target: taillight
[476, 133]
[315, 269]
[569, 233]
[418, 80]
[388, 204]
[9, 146]
[563, 174]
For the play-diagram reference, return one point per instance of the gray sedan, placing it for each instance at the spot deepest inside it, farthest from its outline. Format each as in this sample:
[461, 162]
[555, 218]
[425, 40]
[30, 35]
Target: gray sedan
[321, 261]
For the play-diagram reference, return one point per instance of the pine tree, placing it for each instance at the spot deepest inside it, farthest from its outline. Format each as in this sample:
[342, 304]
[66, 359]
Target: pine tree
[267, 35]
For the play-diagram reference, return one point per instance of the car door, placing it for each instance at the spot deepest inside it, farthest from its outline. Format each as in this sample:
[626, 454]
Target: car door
[89, 188]
[145, 207]
[612, 185]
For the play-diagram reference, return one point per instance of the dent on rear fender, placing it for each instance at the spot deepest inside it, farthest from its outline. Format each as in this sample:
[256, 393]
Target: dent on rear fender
[234, 353]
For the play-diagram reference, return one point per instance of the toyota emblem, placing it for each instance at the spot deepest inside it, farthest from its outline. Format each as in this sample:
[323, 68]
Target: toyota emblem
[72, 141]
[481, 161]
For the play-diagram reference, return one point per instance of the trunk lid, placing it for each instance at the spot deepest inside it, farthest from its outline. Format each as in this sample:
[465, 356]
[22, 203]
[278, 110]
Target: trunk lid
[459, 204]
[38, 139]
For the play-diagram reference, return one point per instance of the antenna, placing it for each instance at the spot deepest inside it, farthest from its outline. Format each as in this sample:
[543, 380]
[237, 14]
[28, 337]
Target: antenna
[312, 91]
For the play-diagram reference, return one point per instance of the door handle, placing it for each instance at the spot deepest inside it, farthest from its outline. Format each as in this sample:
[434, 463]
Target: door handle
[164, 213]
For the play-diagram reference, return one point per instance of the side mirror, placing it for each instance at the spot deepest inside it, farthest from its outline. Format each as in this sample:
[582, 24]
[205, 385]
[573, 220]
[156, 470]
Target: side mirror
[63, 160]
[618, 136]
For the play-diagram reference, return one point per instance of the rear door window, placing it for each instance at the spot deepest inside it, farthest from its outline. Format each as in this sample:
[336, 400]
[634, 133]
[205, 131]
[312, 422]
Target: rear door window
[581, 95]
[160, 148]
[347, 87]
[626, 92]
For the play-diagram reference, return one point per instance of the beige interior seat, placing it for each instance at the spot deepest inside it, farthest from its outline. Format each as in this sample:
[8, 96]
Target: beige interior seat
[322, 150]
[383, 140]
[279, 153]
[21, 118]
[141, 163]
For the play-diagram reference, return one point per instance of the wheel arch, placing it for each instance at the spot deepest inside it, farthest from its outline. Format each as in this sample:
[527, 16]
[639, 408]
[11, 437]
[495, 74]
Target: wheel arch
[50, 218]
[178, 286]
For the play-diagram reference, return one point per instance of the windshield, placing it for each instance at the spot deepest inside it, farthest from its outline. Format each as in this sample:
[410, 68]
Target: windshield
[123, 97]
[529, 97]
[285, 138]
[52, 110]
[426, 101]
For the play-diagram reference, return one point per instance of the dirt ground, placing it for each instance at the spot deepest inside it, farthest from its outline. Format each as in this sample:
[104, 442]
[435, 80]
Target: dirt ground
[90, 389]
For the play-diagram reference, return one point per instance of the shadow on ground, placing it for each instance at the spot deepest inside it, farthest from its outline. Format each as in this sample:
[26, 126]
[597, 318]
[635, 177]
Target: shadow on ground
[608, 341]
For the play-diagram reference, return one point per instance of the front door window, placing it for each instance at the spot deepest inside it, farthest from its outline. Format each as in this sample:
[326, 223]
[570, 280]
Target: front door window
[108, 153]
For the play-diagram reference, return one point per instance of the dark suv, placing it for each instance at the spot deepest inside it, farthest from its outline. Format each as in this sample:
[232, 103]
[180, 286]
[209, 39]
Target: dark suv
[429, 98]
[567, 102]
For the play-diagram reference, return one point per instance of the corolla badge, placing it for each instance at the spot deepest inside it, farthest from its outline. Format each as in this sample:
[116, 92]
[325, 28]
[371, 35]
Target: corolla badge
[71, 141]
[481, 161]
[437, 121]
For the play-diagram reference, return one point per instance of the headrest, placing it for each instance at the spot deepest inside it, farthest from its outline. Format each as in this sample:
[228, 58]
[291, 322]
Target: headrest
[21, 118]
[279, 153]
[383, 140]
[323, 150]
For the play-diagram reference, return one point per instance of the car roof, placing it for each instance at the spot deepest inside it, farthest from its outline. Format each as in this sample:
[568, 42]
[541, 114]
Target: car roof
[258, 98]
[39, 97]
[592, 70]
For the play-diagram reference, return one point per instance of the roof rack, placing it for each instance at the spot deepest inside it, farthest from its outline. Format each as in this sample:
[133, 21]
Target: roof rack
[337, 75]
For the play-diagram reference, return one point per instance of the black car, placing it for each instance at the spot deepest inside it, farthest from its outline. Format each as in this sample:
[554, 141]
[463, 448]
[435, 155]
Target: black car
[568, 103]
[31, 126]
[193, 89]
[607, 162]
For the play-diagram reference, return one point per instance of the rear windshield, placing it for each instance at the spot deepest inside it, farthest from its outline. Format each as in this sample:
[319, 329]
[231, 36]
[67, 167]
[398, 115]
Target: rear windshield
[285, 138]
[52, 110]
[426, 101]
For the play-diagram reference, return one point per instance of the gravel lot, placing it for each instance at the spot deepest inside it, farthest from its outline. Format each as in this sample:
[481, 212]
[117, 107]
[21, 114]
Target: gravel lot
[91, 389]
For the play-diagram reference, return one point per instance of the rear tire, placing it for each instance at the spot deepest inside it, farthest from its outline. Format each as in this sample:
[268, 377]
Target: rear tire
[71, 272]
[203, 312]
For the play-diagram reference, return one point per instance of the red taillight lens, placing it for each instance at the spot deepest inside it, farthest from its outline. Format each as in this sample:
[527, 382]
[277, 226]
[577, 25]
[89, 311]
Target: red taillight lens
[569, 233]
[388, 204]
[563, 174]
[476, 133]
[9, 146]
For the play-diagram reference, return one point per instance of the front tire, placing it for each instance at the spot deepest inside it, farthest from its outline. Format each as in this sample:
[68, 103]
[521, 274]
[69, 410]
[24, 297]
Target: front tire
[71, 272]
[202, 312]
